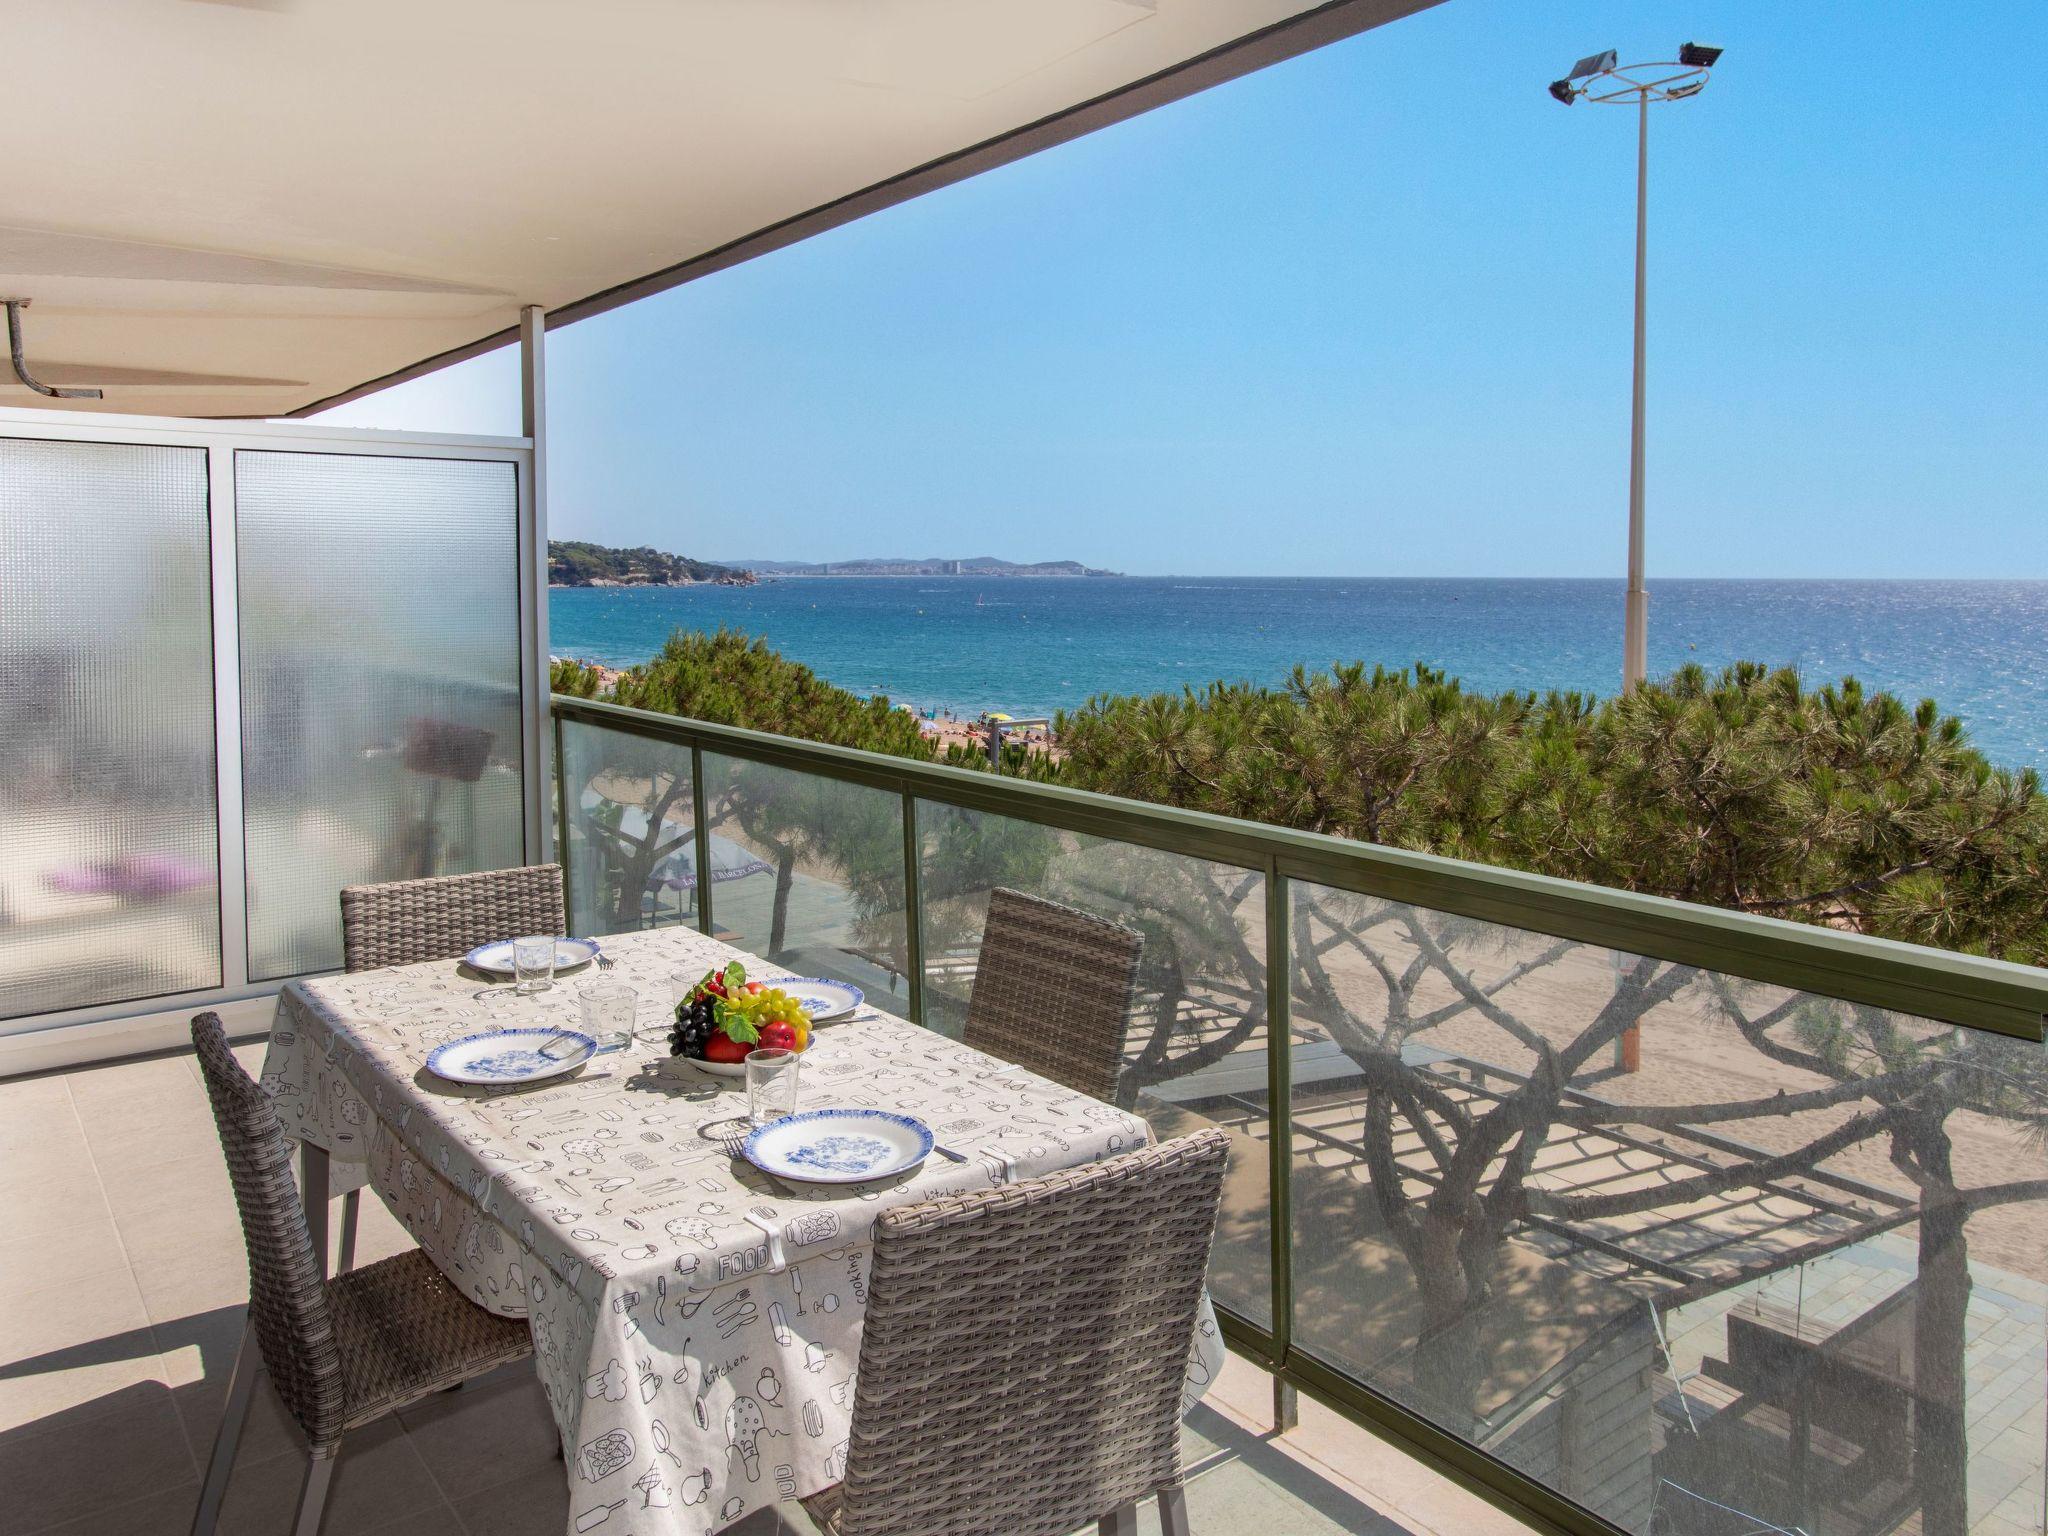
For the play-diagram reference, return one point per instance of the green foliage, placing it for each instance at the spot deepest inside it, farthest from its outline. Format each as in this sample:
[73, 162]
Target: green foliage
[1398, 757]
[793, 820]
[730, 680]
[1744, 789]
[574, 679]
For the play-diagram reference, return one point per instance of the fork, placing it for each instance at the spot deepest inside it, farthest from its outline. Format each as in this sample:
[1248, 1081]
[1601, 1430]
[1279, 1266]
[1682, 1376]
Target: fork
[736, 1148]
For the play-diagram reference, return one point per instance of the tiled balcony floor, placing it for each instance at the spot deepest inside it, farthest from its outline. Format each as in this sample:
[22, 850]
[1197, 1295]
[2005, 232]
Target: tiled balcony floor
[122, 1283]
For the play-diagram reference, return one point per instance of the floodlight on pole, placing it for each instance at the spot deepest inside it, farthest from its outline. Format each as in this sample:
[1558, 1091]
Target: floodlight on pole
[1600, 79]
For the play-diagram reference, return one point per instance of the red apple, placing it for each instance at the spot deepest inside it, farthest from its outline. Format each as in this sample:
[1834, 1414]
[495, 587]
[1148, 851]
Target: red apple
[723, 1048]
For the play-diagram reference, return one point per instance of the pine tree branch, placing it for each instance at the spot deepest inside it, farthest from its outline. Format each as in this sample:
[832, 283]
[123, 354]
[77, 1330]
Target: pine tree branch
[2004, 1194]
[1413, 1112]
[1473, 995]
[1550, 956]
[1863, 887]
[1678, 1117]
[1956, 844]
[1757, 1031]
[1174, 757]
[1633, 999]
[1735, 1176]
[1383, 1171]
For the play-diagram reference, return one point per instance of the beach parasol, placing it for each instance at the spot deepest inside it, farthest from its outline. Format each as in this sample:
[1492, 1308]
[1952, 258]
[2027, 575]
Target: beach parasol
[729, 861]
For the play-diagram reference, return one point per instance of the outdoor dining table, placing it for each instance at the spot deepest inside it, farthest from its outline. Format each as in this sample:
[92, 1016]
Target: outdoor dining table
[695, 1323]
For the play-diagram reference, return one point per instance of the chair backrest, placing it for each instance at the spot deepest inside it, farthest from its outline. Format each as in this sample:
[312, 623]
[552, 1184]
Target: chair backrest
[1025, 1348]
[1053, 991]
[287, 1297]
[405, 921]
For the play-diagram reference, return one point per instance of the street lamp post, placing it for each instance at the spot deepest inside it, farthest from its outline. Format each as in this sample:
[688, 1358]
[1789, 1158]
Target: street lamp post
[1599, 78]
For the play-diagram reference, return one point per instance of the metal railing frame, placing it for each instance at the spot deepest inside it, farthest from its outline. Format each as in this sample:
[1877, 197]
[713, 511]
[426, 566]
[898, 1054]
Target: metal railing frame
[1965, 990]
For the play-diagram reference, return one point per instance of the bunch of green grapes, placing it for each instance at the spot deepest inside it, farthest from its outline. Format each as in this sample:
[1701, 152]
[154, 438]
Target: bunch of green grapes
[770, 1005]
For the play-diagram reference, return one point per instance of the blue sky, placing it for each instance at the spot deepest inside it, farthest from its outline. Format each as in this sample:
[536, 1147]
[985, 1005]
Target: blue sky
[1368, 313]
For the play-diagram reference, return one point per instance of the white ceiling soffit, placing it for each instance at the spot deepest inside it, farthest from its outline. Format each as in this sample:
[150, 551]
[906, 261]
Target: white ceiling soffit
[251, 207]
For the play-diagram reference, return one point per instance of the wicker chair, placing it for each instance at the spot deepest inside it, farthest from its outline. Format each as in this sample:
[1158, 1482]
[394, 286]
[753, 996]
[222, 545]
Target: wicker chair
[1024, 1351]
[403, 922]
[406, 921]
[1053, 991]
[341, 1352]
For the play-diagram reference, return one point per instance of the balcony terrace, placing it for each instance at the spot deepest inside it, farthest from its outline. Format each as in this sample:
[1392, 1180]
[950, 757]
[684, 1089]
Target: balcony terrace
[1685, 1307]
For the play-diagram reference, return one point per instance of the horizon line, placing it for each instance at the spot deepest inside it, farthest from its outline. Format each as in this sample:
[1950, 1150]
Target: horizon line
[1303, 576]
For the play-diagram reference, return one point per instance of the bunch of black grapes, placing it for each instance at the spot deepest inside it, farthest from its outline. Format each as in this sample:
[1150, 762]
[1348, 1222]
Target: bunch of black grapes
[693, 1026]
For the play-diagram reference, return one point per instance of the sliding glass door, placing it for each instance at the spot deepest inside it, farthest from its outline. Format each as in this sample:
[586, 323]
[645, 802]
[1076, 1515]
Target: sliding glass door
[109, 827]
[380, 683]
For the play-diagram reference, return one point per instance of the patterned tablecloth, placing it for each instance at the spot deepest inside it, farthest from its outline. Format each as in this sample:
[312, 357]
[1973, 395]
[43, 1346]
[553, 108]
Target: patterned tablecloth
[692, 1381]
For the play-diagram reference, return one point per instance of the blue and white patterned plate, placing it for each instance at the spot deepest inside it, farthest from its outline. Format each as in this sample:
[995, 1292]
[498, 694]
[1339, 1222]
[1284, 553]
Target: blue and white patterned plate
[510, 1056]
[819, 996]
[496, 959]
[838, 1146]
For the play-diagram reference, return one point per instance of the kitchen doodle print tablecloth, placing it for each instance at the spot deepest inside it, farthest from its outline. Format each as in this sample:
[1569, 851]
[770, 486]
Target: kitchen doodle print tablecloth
[693, 1379]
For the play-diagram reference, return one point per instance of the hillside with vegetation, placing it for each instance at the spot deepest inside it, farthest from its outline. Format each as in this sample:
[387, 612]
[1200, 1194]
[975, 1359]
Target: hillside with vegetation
[574, 563]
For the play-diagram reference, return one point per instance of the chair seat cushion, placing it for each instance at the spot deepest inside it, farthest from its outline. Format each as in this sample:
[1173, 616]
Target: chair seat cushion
[404, 1332]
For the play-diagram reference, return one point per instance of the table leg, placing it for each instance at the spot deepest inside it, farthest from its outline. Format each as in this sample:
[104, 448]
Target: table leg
[313, 1190]
[351, 1210]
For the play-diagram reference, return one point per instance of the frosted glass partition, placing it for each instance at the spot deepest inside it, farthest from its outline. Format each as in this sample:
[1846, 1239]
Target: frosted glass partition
[108, 823]
[1195, 1053]
[380, 677]
[1703, 1255]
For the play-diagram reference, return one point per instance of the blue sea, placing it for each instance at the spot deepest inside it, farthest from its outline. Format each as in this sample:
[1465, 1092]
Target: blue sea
[1034, 645]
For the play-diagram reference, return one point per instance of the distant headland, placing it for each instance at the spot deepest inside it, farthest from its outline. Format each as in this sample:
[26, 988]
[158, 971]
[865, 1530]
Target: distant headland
[577, 563]
[979, 565]
[572, 563]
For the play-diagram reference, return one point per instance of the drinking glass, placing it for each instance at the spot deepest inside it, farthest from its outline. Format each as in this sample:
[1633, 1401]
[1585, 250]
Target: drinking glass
[680, 985]
[533, 963]
[609, 1008]
[771, 1085]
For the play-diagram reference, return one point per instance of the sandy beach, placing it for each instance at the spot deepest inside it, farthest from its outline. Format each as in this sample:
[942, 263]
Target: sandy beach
[972, 735]
[947, 728]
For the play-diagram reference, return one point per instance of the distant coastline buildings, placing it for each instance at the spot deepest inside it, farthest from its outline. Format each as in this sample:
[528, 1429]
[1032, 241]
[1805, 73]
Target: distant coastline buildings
[982, 565]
